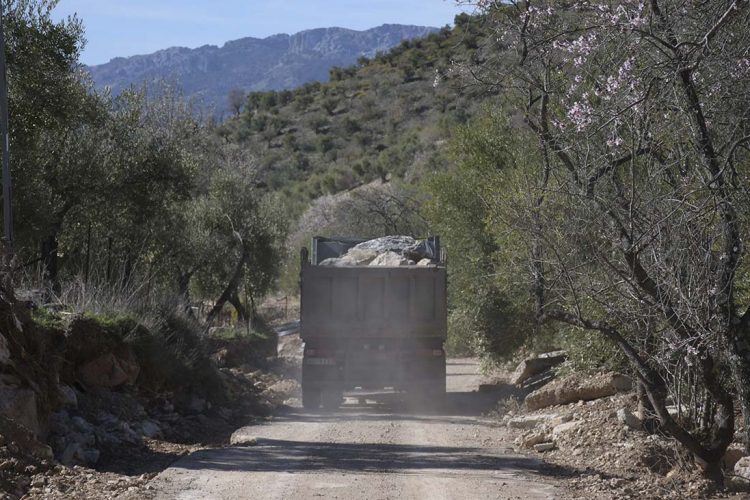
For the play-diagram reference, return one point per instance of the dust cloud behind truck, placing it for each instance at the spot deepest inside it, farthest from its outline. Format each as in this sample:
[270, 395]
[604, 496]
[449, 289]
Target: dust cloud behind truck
[371, 327]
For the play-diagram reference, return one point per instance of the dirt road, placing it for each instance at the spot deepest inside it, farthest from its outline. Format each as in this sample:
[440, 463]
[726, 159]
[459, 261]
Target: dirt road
[385, 450]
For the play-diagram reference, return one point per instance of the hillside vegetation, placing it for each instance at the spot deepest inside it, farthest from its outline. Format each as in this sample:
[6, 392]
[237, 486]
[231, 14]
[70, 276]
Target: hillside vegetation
[361, 156]
[386, 116]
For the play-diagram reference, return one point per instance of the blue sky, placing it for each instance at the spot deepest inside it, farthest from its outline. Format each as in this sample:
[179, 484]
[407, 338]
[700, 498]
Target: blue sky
[129, 27]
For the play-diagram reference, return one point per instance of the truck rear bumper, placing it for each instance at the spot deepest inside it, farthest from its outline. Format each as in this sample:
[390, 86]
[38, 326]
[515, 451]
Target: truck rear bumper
[414, 367]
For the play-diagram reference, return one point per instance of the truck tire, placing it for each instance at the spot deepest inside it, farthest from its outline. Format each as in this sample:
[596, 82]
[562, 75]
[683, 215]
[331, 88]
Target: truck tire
[310, 398]
[437, 395]
[439, 387]
[332, 399]
[429, 396]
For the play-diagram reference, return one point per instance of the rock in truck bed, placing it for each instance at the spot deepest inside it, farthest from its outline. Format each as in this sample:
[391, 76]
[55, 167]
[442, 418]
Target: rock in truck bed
[388, 251]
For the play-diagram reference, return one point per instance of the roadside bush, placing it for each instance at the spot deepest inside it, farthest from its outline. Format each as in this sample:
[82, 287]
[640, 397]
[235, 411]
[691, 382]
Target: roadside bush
[487, 314]
[174, 356]
[235, 346]
[589, 352]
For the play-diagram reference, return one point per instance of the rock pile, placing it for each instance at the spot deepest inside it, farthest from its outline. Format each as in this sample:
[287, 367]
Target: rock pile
[578, 388]
[79, 433]
[388, 251]
[535, 368]
[606, 443]
[20, 456]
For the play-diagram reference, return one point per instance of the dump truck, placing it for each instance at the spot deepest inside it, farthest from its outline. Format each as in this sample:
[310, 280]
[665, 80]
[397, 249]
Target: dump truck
[369, 329]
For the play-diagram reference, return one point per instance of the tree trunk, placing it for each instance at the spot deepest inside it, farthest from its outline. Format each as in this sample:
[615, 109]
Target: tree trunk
[183, 284]
[739, 361]
[87, 265]
[127, 271]
[109, 260]
[242, 312]
[230, 289]
[646, 410]
[183, 287]
[707, 454]
[50, 261]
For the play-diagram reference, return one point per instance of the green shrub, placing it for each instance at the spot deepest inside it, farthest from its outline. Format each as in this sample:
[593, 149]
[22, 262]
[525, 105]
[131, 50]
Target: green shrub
[589, 352]
[47, 318]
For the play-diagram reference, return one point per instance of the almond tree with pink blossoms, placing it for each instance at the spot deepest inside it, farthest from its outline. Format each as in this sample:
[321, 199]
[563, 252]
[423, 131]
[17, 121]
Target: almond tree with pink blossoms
[640, 204]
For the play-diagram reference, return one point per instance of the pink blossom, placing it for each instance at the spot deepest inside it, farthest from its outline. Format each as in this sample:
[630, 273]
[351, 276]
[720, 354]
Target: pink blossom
[580, 114]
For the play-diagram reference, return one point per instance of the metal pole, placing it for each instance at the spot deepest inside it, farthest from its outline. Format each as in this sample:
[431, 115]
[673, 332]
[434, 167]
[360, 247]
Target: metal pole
[5, 140]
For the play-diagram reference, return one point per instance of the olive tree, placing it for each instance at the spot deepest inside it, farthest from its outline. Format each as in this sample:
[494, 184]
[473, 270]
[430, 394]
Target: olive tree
[246, 230]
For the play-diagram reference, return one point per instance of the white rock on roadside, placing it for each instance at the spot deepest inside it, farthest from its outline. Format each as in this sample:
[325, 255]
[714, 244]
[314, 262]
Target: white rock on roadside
[20, 405]
[82, 425]
[628, 419]
[150, 429]
[529, 421]
[536, 365]
[559, 419]
[742, 468]
[76, 454]
[572, 390]
[535, 439]
[197, 404]
[542, 447]
[566, 427]
[242, 437]
[734, 453]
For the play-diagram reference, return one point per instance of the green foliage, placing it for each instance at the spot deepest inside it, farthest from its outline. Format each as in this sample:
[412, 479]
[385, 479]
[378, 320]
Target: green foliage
[589, 352]
[56, 124]
[489, 310]
[120, 324]
[135, 195]
[176, 356]
[129, 196]
[240, 217]
[47, 318]
[360, 126]
[249, 346]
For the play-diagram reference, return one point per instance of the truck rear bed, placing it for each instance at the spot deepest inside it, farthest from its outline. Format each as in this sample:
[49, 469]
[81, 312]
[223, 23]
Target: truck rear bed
[371, 327]
[373, 302]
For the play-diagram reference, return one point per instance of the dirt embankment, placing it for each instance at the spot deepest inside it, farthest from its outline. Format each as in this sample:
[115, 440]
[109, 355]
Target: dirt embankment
[588, 426]
[96, 407]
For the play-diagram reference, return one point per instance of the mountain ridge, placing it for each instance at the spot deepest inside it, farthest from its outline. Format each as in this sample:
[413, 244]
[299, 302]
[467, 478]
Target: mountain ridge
[281, 61]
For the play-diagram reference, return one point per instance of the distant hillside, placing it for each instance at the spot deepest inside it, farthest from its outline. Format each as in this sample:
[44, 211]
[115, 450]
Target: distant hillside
[278, 62]
[386, 117]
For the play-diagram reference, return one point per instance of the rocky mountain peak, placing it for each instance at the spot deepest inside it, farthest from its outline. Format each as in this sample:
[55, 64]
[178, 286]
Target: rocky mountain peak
[277, 62]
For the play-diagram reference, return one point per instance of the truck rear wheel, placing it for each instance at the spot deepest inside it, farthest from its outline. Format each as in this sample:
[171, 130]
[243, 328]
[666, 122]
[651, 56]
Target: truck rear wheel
[437, 396]
[311, 398]
[332, 399]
